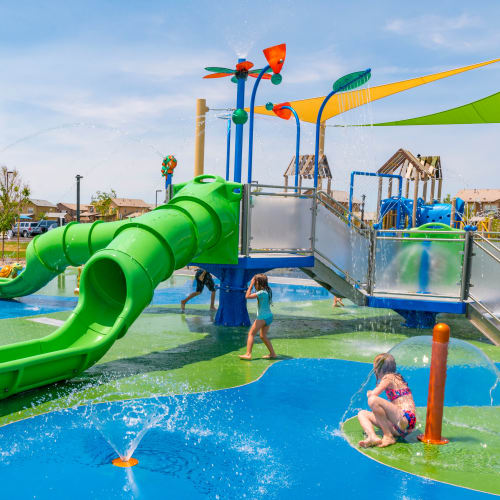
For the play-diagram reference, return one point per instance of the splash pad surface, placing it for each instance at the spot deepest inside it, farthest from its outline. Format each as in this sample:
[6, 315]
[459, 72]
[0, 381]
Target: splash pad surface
[275, 438]
[166, 352]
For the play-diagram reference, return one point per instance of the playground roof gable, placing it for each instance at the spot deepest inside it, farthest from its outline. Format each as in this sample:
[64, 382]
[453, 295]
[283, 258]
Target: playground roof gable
[306, 167]
[404, 163]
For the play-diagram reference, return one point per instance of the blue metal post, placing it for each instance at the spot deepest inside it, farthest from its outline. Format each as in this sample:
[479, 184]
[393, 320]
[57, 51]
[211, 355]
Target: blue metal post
[228, 148]
[238, 144]
[318, 121]
[297, 144]
[373, 174]
[250, 122]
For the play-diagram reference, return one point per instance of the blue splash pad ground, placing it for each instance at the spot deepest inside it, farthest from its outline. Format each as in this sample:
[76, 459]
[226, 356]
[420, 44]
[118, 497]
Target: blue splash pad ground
[275, 438]
[37, 304]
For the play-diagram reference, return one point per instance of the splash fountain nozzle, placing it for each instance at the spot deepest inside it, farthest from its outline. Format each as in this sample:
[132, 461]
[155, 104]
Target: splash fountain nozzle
[119, 462]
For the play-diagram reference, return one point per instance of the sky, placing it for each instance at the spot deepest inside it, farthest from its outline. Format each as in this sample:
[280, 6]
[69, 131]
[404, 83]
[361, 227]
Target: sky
[106, 88]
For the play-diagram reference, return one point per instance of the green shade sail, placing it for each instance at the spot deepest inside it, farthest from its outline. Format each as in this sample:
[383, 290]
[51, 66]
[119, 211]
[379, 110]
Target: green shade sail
[486, 110]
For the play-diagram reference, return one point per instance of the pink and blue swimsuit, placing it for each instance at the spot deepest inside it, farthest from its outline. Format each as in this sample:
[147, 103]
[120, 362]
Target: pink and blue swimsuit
[410, 416]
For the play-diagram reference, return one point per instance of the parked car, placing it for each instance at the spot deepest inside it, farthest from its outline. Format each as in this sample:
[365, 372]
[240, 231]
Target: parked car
[43, 226]
[25, 229]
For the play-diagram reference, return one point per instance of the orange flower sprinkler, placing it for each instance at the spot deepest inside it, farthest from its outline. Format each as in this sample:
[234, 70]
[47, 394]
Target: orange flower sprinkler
[437, 380]
[118, 462]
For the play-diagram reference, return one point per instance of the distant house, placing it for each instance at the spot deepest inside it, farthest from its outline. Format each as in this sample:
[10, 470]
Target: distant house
[342, 197]
[481, 201]
[87, 213]
[36, 208]
[129, 207]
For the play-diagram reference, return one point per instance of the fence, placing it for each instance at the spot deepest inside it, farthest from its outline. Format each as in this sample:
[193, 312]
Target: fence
[421, 264]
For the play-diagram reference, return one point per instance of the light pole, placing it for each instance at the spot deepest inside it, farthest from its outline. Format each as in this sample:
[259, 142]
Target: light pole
[8, 200]
[277, 109]
[346, 82]
[156, 196]
[78, 177]
[9, 172]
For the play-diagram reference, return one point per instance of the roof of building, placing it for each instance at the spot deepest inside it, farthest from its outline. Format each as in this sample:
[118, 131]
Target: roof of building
[306, 167]
[55, 215]
[367, 216]
[72, 206]
[342, 196]
[42, 203]
[135, 214]
[130, 202]
[479, 195]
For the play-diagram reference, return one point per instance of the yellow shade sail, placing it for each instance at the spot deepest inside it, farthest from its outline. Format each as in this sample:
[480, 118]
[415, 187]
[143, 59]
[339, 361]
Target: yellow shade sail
[307, 109]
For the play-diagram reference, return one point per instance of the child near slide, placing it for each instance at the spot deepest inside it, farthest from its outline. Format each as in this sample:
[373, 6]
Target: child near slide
[202, 279]
[396, 417]
[264, 295]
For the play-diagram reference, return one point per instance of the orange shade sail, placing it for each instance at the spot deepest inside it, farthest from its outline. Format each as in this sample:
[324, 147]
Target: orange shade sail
[307, 109]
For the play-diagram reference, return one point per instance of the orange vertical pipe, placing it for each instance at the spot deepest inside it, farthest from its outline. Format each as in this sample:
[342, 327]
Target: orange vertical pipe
[437, 380]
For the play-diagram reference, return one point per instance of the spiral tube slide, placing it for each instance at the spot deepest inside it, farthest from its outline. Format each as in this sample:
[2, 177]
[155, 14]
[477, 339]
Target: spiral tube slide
[119, 278]
[49, 254]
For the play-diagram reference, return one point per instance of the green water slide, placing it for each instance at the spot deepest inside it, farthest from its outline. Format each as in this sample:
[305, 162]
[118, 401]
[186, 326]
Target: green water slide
[125, 261]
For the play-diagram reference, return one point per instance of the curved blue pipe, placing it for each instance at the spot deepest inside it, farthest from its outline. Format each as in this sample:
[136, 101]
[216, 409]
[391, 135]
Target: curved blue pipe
[297, 144]
[318, 121]
[250, 128]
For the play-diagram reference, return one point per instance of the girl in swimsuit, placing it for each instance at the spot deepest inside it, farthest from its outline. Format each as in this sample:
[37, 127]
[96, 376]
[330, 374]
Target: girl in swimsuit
[396, 417]
[264, 319]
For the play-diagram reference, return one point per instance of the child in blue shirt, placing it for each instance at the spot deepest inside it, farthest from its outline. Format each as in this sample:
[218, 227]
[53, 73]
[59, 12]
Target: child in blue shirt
[264, 295]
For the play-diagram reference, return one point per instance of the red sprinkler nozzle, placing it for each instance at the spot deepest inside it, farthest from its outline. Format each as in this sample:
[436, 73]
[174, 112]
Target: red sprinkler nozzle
[125, 463]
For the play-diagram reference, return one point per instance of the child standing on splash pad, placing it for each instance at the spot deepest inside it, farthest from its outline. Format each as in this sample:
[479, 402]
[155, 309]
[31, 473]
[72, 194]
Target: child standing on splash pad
[264, 296]
[202, 278]
[396, 417]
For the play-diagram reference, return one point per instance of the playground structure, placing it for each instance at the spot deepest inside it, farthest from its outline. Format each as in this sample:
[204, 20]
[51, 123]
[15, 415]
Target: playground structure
[218, 225]
[425, 206]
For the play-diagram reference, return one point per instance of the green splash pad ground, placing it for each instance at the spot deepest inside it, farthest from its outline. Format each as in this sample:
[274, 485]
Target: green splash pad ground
[471, 459]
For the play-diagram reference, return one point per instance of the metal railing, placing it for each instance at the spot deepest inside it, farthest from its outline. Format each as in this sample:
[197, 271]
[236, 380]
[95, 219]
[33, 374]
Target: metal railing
[484, 275]
[419, 264]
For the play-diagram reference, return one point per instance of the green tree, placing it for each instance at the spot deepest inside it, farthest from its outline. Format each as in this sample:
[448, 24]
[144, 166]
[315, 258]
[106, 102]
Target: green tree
[447, 198]
[13, 195]
[101, 201]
